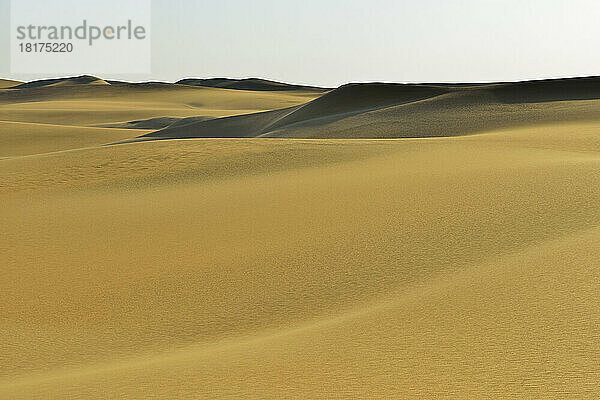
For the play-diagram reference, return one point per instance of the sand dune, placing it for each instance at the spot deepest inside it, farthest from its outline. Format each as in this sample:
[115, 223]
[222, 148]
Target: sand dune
[247, 84]
[76, 80]
[8, 83]
[585, 88]
[99, 105]
[401, 111]
[459, 264]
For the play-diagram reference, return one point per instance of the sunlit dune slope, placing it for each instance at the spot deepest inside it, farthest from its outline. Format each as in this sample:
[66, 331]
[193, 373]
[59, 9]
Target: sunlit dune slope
[8, 83]
[259, 268]
[21, 138]
[397, 111]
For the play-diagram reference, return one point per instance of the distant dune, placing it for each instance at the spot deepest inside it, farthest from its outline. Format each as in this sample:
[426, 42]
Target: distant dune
[375, 110]
[83, 101]
[246, 84]
[279, 252]
[78, 80]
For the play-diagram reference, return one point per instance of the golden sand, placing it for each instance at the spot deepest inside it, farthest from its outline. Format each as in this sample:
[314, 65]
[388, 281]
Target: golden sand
[455, 267]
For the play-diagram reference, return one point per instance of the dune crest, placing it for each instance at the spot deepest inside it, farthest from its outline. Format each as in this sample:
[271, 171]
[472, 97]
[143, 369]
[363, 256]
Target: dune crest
[8, 83]
[411, 110]
[76, 80]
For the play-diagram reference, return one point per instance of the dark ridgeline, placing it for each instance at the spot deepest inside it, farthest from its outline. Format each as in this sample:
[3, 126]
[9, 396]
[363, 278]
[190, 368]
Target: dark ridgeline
[355, 110]
[388, 110]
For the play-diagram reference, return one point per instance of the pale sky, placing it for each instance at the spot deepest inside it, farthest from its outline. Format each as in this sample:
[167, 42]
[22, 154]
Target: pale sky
[329, 43]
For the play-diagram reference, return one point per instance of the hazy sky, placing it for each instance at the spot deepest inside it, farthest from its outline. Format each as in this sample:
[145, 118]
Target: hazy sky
[332, 42]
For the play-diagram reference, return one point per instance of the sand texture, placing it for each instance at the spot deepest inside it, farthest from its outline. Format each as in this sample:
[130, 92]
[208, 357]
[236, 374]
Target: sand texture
[374, 241]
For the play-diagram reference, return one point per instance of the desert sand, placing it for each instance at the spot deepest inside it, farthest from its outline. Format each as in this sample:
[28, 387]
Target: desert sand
[231, 239]
[7, 83]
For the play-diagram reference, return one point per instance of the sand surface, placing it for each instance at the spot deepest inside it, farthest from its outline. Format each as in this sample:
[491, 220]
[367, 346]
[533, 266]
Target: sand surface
[8, 83]
[464, 266]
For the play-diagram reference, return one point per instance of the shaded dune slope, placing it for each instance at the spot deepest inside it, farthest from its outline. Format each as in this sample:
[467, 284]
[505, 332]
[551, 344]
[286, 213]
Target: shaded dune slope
[242, 126]
[340, 103]
[377, 110]
[582, 88]
[154, 123]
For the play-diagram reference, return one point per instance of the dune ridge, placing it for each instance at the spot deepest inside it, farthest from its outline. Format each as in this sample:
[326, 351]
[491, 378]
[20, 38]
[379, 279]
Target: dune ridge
[412, 110]
[247, 84]
[76, 80]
